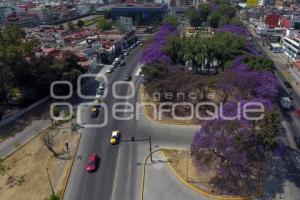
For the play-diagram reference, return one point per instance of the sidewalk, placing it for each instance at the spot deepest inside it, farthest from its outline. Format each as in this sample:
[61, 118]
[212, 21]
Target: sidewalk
[11, 144]
[161, 183]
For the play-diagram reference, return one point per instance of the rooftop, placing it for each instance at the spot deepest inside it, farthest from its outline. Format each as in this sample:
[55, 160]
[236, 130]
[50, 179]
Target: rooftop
[140, 5]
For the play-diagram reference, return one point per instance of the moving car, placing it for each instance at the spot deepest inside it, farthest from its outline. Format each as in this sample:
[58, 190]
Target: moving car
[92, 163]
[95, 112]
[115, 137]
[286, 102]
[97, 103]
[127, 77]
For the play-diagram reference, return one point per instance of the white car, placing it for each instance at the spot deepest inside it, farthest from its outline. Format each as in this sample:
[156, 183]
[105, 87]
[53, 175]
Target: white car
[109, 70]
[117, 60]
[114, 64]
[99, 93]
[101, 86]
[126, 54]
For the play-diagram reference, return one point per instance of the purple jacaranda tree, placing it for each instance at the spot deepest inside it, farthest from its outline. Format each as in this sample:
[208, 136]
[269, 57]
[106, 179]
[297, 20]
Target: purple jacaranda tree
[219, 144]
[239, 30]
[153, 52]
[241, 82]
[214, 7]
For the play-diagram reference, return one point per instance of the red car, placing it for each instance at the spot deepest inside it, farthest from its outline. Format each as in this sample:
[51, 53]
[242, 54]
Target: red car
[92, 163]
[297, 112]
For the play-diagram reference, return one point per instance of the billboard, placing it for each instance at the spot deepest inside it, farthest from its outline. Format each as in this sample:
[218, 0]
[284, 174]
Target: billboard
[252, 3]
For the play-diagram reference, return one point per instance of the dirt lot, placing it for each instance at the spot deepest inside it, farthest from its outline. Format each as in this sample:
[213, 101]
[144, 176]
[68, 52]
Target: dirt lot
[183, 164]
[25, 175]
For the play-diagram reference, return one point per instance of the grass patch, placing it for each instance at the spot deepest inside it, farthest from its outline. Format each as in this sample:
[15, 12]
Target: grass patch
[24, 175]
[200, 177]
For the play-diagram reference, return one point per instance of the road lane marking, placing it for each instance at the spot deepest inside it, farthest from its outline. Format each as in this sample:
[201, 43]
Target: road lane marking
[116, 174]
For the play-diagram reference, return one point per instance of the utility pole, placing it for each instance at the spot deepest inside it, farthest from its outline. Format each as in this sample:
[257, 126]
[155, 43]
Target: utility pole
[150, 148]
[50, 182]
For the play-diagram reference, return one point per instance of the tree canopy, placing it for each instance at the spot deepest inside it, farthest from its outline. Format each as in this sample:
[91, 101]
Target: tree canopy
[104, 24]
[25, 78]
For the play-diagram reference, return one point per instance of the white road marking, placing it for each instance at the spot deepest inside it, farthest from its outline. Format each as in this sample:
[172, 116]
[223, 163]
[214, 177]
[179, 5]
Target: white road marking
[116, 175]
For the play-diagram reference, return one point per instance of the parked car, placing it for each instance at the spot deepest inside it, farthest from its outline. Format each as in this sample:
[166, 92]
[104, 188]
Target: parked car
[122, 63]
[287, 84]
[297, 112]
[109, 70]
[126, 54]
[297, 141]
[101, 86]
[92, 162]
[99, 93]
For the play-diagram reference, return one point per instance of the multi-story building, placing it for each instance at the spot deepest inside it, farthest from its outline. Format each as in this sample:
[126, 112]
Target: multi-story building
[291, 44]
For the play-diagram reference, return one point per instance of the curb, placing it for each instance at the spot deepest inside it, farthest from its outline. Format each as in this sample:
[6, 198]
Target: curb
[29, 140]
[69, 173]
[201, 191]
[163, 122]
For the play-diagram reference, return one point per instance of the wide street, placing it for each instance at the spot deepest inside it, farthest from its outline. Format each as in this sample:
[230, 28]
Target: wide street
[118, 175]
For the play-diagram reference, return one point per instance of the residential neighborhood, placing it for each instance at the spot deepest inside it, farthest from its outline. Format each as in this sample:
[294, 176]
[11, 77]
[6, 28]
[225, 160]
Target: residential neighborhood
[149, 100]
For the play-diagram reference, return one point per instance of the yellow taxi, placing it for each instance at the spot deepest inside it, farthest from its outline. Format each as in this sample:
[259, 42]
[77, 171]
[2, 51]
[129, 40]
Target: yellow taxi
[115, 137]
[95, 112]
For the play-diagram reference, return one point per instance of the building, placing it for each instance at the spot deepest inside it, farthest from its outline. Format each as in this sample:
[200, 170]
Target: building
[141, 13]
[290, 22]
[291, 44]
[186, 3]
[23, 19]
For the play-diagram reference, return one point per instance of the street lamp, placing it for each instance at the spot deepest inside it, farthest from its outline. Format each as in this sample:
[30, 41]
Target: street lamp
[50, 181]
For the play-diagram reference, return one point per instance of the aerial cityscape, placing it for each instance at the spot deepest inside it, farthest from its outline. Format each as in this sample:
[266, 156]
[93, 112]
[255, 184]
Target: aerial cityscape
[149, 100]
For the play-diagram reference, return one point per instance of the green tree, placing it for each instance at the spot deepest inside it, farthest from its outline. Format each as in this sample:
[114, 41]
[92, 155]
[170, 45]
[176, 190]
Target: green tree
[171, 20]
[193, 16]
[236, 21]
[71, 26]
[204, 11]
[61, 26]
[269, 128]
[260, 63]
[104, 24]
[223, 21]
[80, 23]
[53, 197]
[213, 20]
[172, 47]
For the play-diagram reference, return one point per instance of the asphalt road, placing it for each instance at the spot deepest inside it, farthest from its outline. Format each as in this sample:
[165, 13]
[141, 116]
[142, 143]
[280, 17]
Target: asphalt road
[98, 185]
[118, 175]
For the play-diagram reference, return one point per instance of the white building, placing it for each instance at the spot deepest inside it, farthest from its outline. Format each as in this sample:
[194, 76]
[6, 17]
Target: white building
[291, 44]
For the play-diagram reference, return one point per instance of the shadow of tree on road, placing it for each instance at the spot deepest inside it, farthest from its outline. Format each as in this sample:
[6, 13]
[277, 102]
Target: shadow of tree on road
[280, 170]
